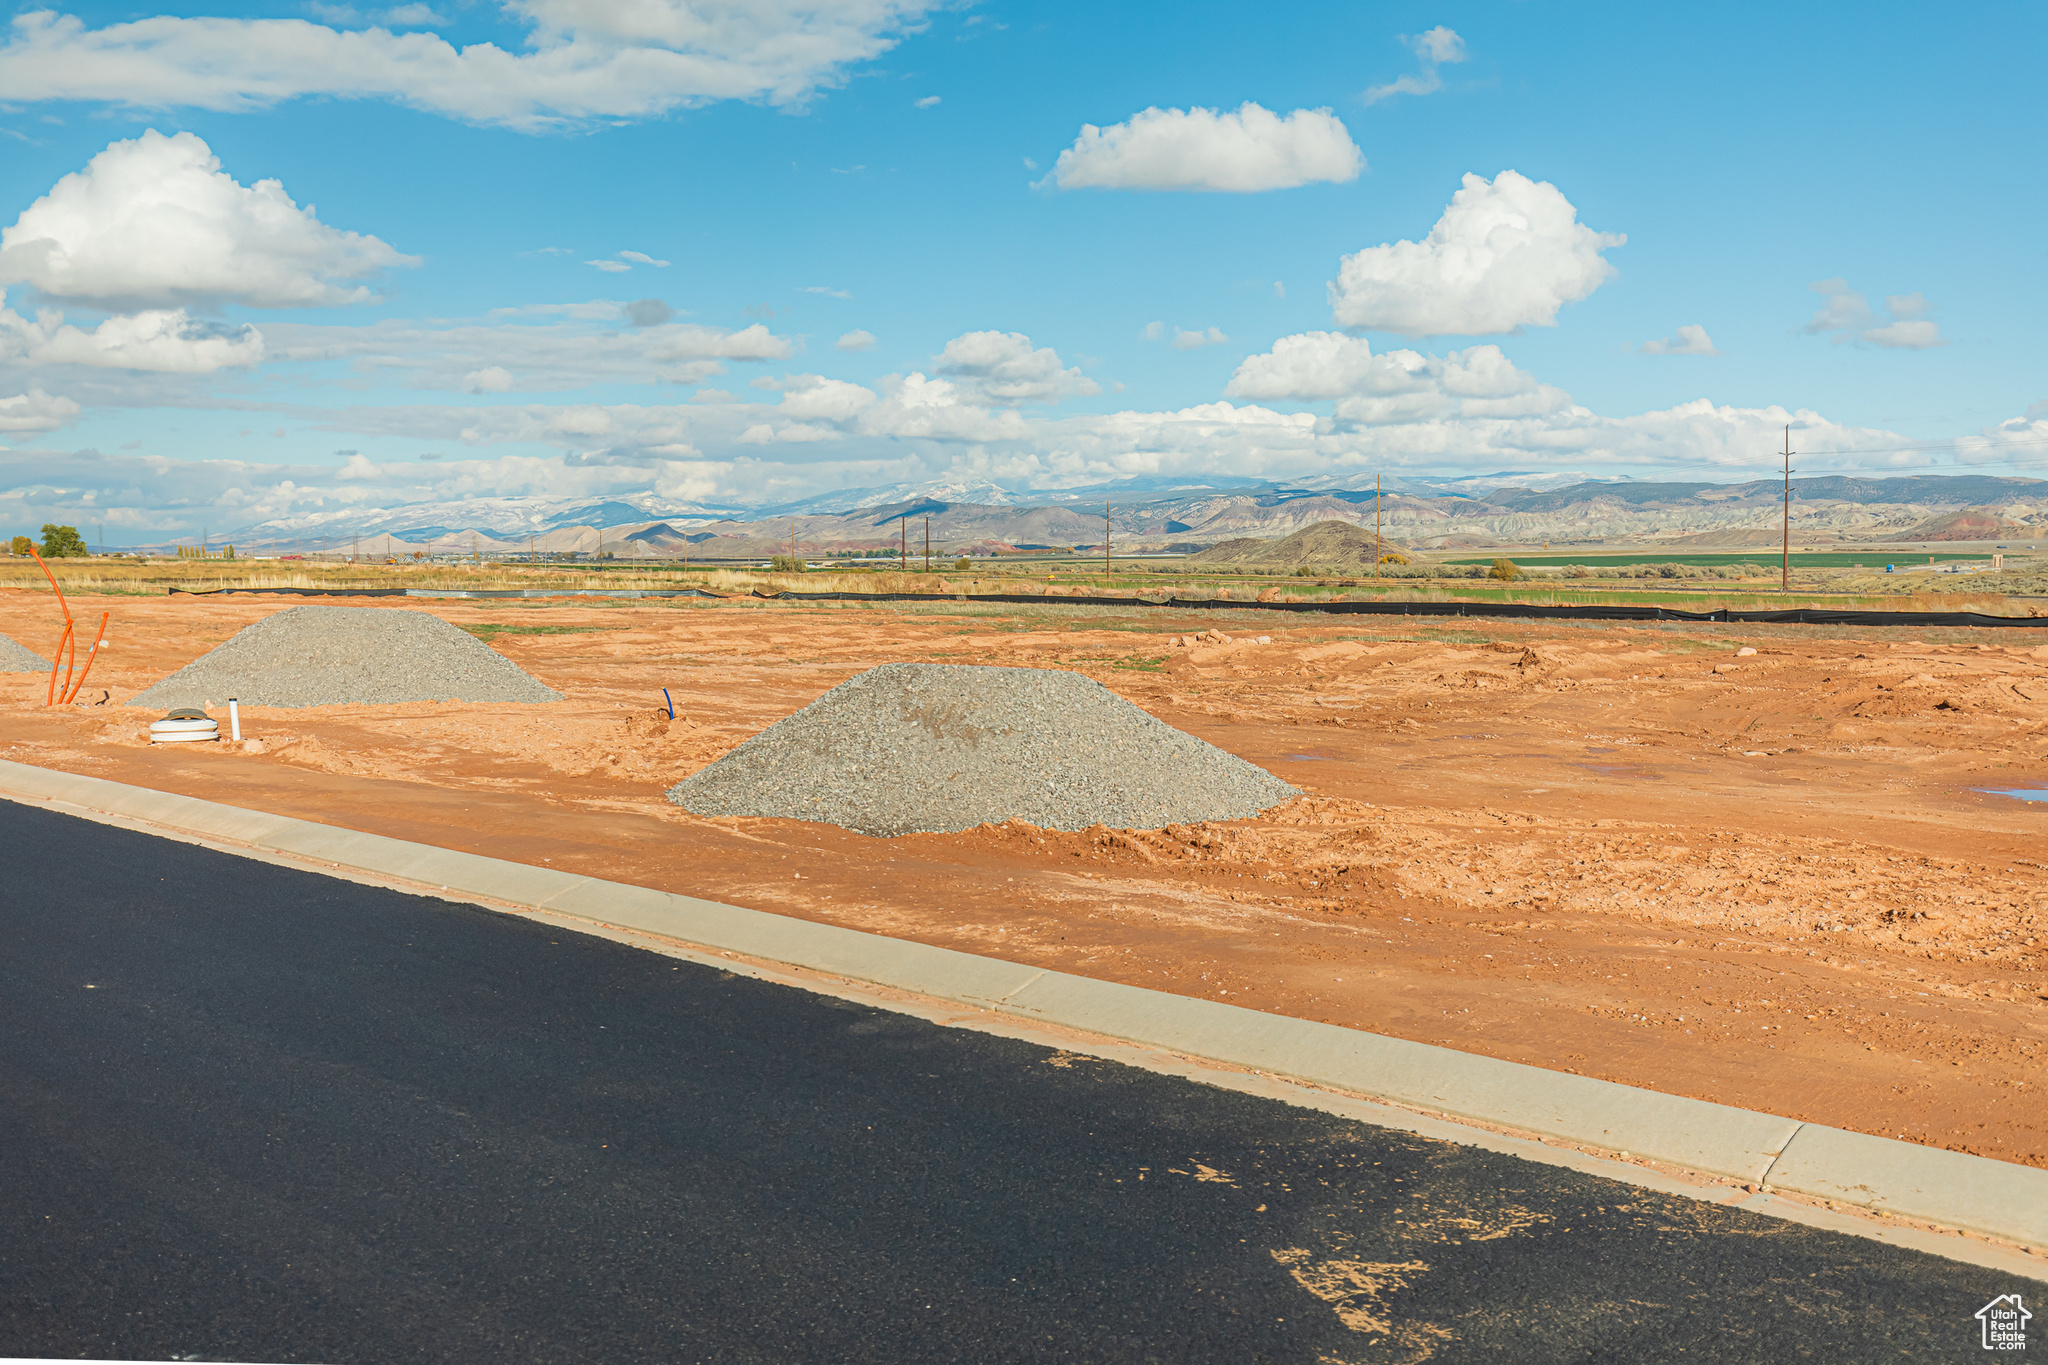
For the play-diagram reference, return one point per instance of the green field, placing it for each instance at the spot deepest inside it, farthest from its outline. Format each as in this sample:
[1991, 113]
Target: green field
[1767, 558]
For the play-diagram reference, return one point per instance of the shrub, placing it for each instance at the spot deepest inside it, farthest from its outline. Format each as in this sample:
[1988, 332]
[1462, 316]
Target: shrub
[786, 564]
[962, 564]
[63, 542]
[1506, 570]
[1393, 557]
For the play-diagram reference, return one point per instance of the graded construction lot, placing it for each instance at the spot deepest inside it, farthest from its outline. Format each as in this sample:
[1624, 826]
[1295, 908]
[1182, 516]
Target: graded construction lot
[1773, 880]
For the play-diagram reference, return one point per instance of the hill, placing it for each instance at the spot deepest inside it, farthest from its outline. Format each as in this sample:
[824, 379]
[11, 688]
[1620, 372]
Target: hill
[1335, 545]
[1972, 523]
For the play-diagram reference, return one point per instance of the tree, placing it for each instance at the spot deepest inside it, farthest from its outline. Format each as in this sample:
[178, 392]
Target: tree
[962, 565]
[1506, 570]
[20, 545]
[786, 564]
[63, 542]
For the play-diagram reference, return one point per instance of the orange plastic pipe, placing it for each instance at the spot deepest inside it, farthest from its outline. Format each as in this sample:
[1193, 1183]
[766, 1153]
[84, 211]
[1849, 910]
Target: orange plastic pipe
[57, 662]
[90, 656]
[53, 582]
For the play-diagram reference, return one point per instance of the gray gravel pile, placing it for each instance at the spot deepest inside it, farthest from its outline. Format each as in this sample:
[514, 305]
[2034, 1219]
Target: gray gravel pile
[16, 658]
[347, 656]
[935, 748]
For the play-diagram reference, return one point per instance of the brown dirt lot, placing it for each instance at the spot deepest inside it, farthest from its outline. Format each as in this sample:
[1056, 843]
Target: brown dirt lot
[1768, 880]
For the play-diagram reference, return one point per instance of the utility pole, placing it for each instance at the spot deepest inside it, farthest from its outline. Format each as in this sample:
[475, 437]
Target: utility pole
[792, 544]
[1105, 540]
[1785, 566]
[903, 544]
[1376, 542]
[927, 544]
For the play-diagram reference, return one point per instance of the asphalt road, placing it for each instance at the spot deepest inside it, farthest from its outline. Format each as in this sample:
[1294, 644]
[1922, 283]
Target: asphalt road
[248, 1113]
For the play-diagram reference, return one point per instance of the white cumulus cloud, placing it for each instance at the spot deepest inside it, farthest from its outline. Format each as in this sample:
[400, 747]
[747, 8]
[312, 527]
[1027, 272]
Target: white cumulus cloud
[154, 222]
[1241, 151]
[1305, 367]
[1506, 254]
[578, 60]
[1440, 46]
[1692, 339]
[915, 407]
[812, 397]
[1399, 387]
[1903, 326]
[490, 379]
[1002, 367]
[855, 340]
[35, 411]
[160, 340]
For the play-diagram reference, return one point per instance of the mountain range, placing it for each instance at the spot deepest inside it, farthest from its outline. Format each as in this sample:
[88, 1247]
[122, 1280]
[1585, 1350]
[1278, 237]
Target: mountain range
[1181, 514]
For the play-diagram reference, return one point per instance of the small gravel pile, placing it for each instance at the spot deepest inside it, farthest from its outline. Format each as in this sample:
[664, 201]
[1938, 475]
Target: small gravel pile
[935, 748]
[16, 658]
[347, 656]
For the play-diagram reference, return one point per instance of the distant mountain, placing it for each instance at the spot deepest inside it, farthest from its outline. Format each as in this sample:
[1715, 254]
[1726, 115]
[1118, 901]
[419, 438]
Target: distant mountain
[1934, 490]
[853, 499]
[1189, 512]
[497, 518]
[1465, 485]
[989, 494]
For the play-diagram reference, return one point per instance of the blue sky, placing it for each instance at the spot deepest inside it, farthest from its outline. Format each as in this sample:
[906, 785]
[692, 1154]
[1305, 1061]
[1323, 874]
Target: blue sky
[814, 170]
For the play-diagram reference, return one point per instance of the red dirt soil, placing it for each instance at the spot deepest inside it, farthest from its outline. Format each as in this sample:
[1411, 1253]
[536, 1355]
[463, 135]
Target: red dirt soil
[1769, 880]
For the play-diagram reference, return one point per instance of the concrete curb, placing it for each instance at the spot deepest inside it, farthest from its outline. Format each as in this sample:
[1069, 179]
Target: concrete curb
[1971, 1193]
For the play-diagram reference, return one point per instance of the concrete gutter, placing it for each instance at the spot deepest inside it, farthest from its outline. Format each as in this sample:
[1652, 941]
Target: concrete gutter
[1952, 1189]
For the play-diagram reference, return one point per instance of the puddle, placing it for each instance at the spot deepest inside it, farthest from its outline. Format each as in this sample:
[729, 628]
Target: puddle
[1304, 758]
[1620, 770]
[2017, 793]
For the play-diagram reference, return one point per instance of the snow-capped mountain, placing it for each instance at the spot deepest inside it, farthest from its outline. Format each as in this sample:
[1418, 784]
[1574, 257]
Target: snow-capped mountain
[498, 518]
[978, 491]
